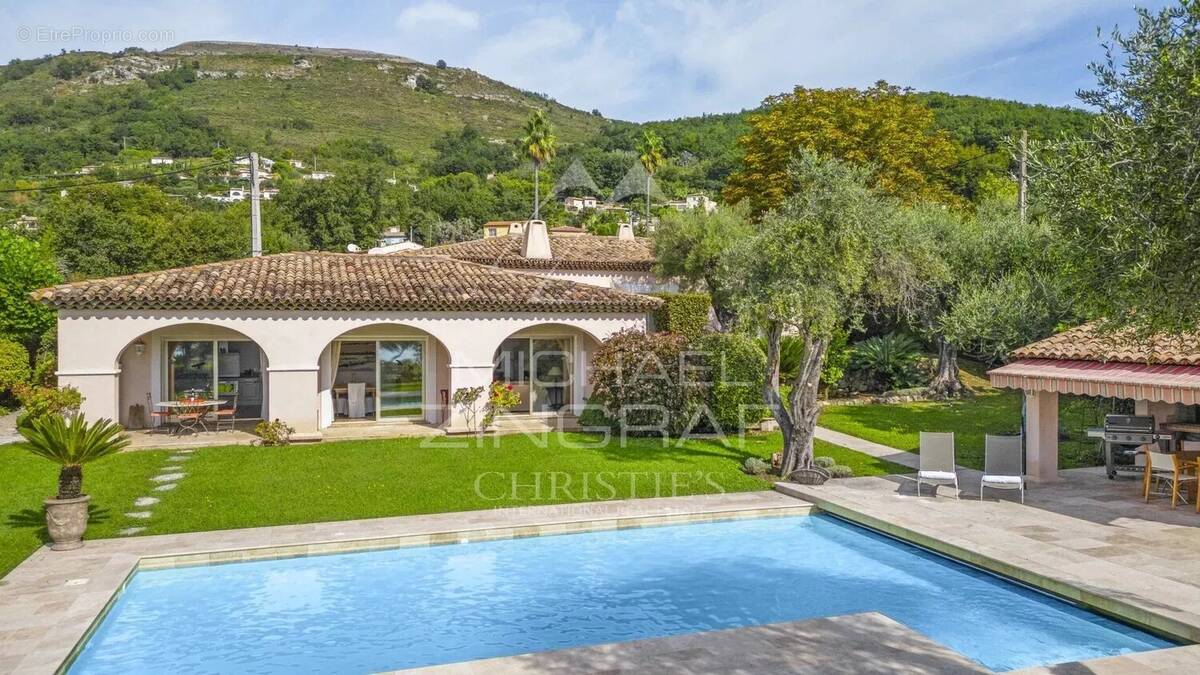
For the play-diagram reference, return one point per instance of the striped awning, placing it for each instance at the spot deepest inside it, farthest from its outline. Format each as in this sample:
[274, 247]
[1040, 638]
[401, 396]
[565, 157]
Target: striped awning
[1138, 381]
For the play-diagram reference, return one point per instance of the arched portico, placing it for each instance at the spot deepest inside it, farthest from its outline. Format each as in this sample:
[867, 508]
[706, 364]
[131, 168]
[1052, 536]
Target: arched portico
[91, 343]
[193, 360]
[384, 372]
[547, 365]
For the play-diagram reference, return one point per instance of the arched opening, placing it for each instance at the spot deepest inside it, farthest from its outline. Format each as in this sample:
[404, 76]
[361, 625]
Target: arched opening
[547, 366]
[386, 372]
[191, 361]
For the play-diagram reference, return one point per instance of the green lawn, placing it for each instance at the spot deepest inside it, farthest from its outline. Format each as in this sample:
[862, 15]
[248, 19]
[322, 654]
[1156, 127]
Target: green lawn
[990, 412]
[25, 480]
[240, 486]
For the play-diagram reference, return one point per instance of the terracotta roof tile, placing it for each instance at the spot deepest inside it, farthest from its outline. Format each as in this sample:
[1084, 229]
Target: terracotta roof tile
[1086, 343]
[587, 251]
[341, 281]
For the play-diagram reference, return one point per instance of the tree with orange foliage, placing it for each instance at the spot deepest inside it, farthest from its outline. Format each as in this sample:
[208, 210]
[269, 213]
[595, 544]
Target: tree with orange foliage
[882, 127]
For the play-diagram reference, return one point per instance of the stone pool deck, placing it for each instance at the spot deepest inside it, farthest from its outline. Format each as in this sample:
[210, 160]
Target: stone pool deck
[1085, 538]
[50, 601]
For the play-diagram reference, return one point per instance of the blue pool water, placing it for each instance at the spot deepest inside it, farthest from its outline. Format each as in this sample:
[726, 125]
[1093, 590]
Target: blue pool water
[382, 610]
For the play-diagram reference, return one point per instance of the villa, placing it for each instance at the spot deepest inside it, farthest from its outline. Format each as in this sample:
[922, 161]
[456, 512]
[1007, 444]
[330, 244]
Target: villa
[318, 339]
[623, 262]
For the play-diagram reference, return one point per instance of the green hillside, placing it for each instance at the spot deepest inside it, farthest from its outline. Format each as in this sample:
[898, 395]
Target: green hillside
[58, 113]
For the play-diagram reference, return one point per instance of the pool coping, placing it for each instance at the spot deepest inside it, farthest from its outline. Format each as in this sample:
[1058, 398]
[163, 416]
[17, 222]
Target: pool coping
[53, 601]
[1012, 567]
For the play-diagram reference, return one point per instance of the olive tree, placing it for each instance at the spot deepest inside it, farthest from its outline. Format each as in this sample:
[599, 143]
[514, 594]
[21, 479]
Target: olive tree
[804, 272]
[691, 246]
[1127, 199]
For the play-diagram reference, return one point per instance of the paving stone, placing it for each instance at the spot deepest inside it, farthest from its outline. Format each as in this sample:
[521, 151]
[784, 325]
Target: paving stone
[172, 468]
[179, 458]
[140, 515]
[166, 487]
[130, 531]
[167, 477]
[145, 501]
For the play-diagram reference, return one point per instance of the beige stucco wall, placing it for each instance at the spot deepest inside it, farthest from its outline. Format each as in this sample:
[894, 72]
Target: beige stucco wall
[636, 282]
[92, 349]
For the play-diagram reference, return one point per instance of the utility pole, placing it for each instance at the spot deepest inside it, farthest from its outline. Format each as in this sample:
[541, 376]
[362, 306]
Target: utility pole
[1022, 176]
[255, 212]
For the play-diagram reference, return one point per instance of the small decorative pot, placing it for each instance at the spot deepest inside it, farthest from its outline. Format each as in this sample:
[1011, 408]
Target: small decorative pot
[813, 475]
[66, 520]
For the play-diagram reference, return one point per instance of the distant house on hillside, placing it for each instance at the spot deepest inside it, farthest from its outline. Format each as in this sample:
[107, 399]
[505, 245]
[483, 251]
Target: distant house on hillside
[502, 228]
[296, 164]
[25, 223]
[88, 170]
[392, 235]
[268, 193]
[693, 202]
[157, 161]
[263, 162]
[318, 175]
[577, 204]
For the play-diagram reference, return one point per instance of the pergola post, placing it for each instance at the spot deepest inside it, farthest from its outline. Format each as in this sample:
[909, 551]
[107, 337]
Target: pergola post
[1041, 437]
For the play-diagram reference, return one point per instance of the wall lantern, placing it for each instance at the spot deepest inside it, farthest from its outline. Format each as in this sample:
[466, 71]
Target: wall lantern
[139, 347]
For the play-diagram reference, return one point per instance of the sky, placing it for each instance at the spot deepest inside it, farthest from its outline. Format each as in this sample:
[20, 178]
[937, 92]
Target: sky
[639, 59]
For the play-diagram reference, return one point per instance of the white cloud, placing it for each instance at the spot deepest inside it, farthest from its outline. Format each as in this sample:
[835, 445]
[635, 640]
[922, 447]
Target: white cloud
[437, 15]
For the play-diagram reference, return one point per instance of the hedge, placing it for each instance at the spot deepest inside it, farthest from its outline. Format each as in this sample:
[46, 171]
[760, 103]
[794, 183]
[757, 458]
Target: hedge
[736, 369]
[14, 366]
[682, 313]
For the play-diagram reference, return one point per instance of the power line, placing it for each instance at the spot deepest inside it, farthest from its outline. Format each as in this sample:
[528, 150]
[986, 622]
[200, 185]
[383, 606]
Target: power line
[972, 159]
[66, 186]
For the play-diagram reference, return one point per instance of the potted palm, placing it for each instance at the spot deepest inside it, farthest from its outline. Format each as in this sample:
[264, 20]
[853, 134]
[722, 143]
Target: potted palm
[70, 443]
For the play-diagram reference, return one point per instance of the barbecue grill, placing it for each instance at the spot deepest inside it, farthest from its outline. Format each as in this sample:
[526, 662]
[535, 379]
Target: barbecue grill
[1123, 437]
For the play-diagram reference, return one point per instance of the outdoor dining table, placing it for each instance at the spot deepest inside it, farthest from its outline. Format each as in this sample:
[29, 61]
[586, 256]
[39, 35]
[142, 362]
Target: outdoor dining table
[190, 412]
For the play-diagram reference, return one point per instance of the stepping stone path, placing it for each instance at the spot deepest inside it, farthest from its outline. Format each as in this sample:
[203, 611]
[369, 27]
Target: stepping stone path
[165, 481]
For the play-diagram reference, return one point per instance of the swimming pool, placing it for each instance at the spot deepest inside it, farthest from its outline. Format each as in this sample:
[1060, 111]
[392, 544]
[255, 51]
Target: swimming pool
[399, 608]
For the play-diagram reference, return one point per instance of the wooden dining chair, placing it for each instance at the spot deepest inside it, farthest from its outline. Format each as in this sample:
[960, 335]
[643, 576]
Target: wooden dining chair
[226, 413]
[1170, 468]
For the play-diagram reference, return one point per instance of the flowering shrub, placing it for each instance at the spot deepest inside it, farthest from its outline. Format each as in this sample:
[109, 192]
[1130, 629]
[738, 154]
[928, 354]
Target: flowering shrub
[501, 399]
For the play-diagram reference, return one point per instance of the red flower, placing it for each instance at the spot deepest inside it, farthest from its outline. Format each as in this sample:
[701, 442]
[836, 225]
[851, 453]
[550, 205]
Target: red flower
[508, 387]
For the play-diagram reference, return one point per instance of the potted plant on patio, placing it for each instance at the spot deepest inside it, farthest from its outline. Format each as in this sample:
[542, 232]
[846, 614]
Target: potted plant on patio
[70, 443]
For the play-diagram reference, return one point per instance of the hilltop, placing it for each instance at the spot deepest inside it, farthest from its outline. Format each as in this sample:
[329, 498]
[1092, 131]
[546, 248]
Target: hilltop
[273, 97]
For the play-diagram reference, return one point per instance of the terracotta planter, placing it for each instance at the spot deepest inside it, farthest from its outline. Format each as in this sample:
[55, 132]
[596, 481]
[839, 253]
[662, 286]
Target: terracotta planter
[814, 475]
[66, 520]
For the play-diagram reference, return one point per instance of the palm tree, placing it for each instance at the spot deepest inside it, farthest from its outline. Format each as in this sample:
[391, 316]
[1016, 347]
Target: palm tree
[71, 445]
[652, 155]
[539, 145]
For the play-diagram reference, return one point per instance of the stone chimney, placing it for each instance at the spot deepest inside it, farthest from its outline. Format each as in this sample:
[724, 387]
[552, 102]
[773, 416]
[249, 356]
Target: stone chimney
[625, 231]
[537, 240]
[516, 227]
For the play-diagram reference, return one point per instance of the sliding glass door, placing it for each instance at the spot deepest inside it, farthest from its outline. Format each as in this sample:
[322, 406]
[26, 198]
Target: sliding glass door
[539, 369]
[401, 377]
[190, 369]
[551, 373]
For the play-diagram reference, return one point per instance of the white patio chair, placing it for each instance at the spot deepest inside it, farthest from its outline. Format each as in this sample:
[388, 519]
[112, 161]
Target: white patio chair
[356, 392]
[1002, 466]
[937, 461]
